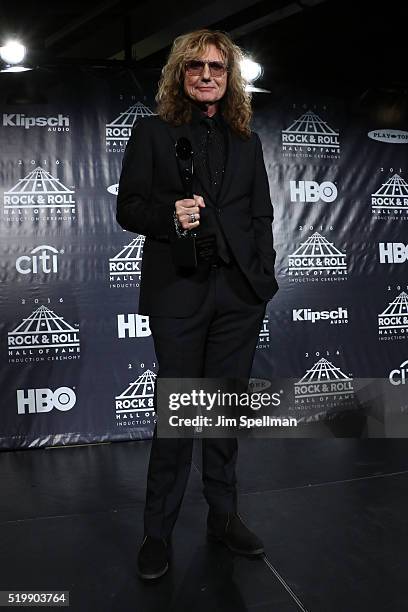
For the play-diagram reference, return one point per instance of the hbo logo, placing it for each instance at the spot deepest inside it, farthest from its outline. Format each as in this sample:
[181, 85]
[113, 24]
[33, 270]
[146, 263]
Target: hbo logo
[310, 191]
[133, 325]
[44, 400]
[393, 252]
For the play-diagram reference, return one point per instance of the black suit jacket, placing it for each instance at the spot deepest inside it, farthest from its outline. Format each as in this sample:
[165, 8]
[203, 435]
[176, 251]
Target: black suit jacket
[150, 183]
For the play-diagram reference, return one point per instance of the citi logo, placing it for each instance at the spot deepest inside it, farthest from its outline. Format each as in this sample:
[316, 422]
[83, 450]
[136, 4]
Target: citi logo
[311, 191]
[21, 120]
[306, 314]
[43, 258]
[35, 401]
[399, 376]
[393, 252]
[133, 326]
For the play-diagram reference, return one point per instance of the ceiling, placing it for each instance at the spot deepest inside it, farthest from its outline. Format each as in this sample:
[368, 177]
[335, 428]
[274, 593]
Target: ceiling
[313, 40]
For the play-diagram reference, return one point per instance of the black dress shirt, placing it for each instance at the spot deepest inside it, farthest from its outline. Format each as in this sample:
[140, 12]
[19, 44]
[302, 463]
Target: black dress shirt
[210, 152]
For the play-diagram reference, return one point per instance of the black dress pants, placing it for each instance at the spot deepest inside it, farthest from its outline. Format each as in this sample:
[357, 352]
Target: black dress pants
[219, 340]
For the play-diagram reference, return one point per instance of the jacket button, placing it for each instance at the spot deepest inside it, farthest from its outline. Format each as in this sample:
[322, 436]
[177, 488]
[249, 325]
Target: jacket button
[218, 210]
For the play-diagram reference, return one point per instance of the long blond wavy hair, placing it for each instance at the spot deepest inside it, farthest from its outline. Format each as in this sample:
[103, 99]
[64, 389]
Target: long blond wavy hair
[174, 106]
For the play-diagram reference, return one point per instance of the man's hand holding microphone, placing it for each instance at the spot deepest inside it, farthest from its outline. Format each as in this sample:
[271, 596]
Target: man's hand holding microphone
[187, 207]
[189, 249]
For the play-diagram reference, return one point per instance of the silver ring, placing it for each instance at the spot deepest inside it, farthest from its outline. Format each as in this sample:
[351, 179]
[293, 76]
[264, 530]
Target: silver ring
[192, 218]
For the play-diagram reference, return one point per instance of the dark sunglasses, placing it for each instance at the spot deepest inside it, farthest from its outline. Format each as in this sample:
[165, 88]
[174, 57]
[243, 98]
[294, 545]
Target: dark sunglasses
[196, 67]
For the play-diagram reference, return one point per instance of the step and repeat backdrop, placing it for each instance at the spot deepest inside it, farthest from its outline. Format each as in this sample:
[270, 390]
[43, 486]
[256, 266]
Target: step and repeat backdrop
[77, 361]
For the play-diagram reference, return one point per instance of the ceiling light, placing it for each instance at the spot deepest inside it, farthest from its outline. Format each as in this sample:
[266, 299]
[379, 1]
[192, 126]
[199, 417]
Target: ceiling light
[250, 70]
[12, 52]
[14, 69]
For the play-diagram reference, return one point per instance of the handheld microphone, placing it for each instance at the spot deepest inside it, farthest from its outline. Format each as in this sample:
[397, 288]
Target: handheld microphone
[189, 249]
[184, 248]
[184, 153]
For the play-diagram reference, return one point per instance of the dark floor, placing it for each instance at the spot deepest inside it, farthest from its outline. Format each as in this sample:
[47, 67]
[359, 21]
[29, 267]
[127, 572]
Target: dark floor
[333, 515]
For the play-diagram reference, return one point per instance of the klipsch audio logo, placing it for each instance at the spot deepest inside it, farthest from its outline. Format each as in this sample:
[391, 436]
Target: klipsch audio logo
[310, 136]
[393, 321]
[60, 123]
[38, 401]
[390, 201]
[334, 317]
[43, 336]
[133, 326]
[118, 131]
[389, 136]
[263, 336]
[310, 191]
[125, 267]
[39, 195]
[393, 252]
[323, 383]
[42, 259]
[134, 407]
[315, 259]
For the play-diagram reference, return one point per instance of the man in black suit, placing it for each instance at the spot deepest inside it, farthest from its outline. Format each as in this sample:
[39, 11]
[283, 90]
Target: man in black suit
[204, 320]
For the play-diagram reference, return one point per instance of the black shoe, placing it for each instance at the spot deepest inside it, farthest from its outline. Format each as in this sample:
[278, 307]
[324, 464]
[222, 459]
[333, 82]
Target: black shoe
[153, 558]
[229, 529]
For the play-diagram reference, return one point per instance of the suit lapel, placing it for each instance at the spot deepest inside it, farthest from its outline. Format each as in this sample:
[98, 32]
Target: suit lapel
[232, 156]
